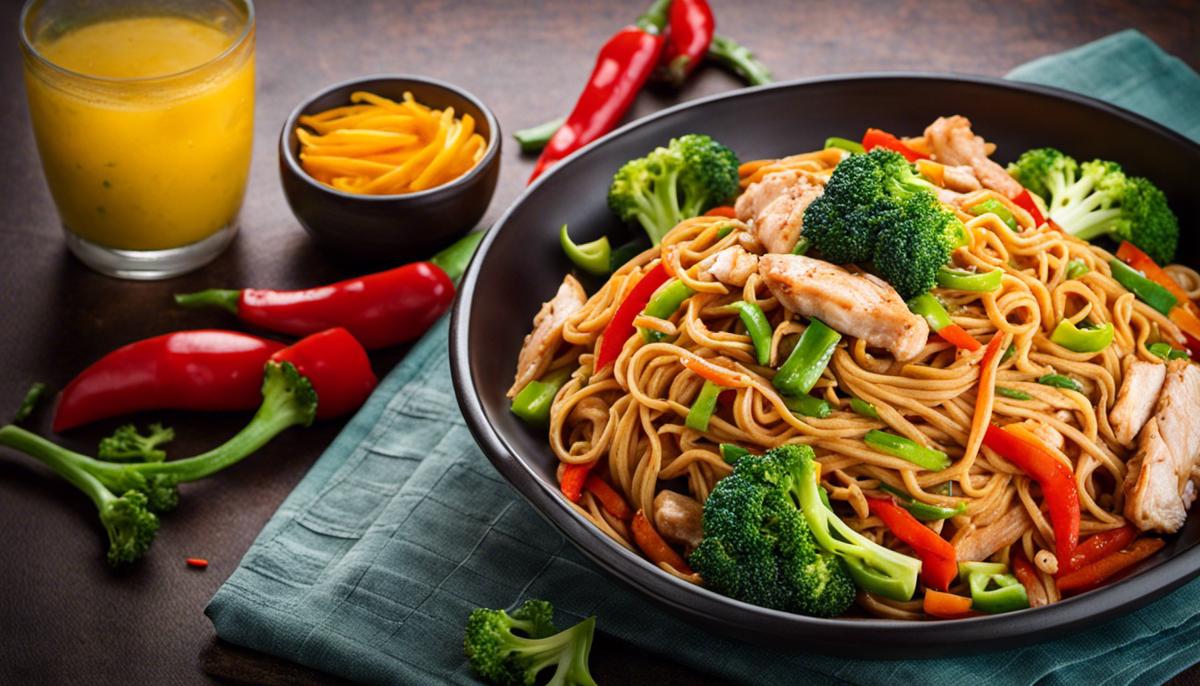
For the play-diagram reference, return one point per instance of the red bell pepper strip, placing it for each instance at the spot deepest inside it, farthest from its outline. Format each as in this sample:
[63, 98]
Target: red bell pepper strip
[939, 563]
[610, 500]
[1025, 201]
[1093, 575]
[722, 211]
[574, 477]
[1101, 545]
[336, 366]
[1025, 573]
[690, 31]
[946, 605]
[1056, 480]
[875, 138]
[655, 548]
[186, 370]
[622, 67]
[380, 310]
[620, 327]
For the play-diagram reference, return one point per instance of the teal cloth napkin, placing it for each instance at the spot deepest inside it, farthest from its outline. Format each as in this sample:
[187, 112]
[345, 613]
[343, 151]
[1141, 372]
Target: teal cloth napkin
[370, 567]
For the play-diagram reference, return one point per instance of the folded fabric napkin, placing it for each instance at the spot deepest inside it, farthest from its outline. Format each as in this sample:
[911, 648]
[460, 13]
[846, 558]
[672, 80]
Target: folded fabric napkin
[370, 567]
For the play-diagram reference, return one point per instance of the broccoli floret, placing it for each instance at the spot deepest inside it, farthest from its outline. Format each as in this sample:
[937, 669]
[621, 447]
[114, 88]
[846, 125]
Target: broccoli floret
[876, 208]
[127, 445]
[757, 546]
[130, 525]
[693, 174]
[506, 658]
[1097, 198]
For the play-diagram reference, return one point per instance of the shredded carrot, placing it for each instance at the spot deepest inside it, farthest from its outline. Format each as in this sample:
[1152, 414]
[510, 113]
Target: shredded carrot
[959, 338]
[946, 605]
[718, 375]
[378, 146]
[610, 500]
[655, 548]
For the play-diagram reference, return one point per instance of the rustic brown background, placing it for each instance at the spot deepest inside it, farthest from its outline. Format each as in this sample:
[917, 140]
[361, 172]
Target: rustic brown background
[64, 618]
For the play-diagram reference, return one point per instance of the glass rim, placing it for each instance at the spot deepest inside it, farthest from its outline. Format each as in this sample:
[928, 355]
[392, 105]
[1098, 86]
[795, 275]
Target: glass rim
[29, 48]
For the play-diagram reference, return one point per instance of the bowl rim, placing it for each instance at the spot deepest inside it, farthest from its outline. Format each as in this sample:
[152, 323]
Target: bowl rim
[489, 154]
[702, 604]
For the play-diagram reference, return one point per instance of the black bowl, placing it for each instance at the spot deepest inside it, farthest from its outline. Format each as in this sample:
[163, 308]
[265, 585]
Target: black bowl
[520, 264]
[393, 228]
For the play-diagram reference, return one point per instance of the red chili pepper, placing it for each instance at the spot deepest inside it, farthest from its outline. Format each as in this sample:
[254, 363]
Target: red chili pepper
[1095, 574]
[380, 310]
[690, 31]
[1025, 201]
[186, 370]
[1056, 480]
[620, 327]
[1098, 546]
[197, 563]
[939, 563]
[875, 138]
[574, 477]
[622, 67]
[337, 367]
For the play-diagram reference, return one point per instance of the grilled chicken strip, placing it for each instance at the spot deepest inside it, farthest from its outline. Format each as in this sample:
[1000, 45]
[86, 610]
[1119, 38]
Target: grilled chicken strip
[1158, 487]
[861, 306]
[979, 544]
[731, 266]
[678, 518]
[538, 349]
[954, 144]
[775, 207]
[1140, 386]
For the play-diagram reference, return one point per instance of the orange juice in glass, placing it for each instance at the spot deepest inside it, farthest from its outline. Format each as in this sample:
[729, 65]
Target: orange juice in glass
[144, 116]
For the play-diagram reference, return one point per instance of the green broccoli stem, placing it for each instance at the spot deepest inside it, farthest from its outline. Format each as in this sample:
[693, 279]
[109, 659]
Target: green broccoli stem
[544, 652]
[225, 298]
[58, 459]
[659, 213]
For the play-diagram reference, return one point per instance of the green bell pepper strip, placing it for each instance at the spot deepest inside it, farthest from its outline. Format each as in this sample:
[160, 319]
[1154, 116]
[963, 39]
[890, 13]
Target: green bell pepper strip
[1147, 291]
[1079, 340]
[982, 282]
[864, 408]
[905, 449]
[1008, 353]
[533, 403]
[1165, 351]
[927, 306]
[807, 361]
[626, 252]
[808, 406]
[731, 452]
[592, 257]
[1013, 393]
[757, 327]
[664, 303]
[1076, 269]
[1060, 381]
[993, 589]
[994, 206]
[802, 246]
[703, 407]
[923, 511]
[724, 231]
[846, 144]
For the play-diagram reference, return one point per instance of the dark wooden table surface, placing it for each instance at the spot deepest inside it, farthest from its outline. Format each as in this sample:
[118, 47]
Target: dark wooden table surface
[64, 617]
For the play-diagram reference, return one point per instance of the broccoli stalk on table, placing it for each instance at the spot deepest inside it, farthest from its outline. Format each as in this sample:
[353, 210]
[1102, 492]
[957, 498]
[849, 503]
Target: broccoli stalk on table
[512, 649]
[877, 210]
[127, 445]
[690, 176]
[152, 485]
[1096, 199]
[769, 539]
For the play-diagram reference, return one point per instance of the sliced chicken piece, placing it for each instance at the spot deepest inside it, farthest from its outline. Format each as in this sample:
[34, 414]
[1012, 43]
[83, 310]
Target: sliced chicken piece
[677, 517]
[731, 266]
[1158, 487]
[1140, 386]
[979, 544]
[775, 206]
[1045, 433]
[538, 349]
[954, 144]
[960, 179]
[861, 306]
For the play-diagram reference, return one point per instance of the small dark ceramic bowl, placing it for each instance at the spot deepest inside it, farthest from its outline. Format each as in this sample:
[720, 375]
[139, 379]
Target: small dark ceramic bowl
[520, 264]
[391, 227]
